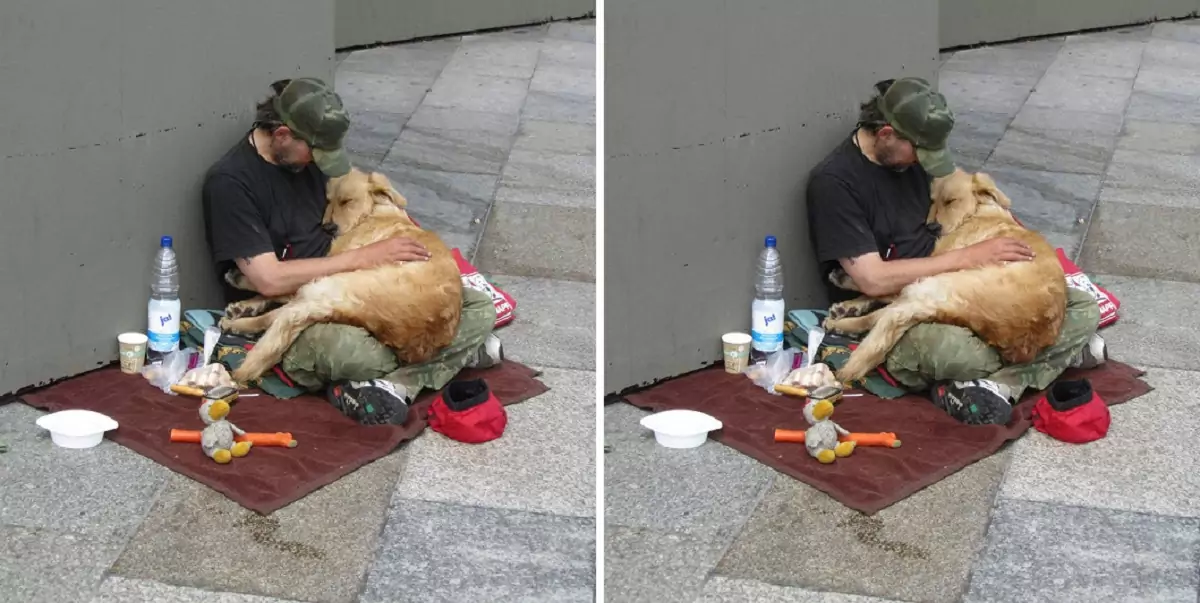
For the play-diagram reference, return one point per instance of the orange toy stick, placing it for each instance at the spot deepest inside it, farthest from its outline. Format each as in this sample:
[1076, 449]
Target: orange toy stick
[884, 439]
[280, 439]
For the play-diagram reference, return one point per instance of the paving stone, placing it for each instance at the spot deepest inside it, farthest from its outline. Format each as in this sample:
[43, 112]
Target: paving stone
[652, 566]
[974, 136]
[1151, 330]
[580, 31]
[568, 54]
[115, 589]
[1186, 31]
[1033, 119]
[1002, 60]
[1054, 150]
[1129, 469]
[1131, 33]
[372, 134]
[497, 55]
[1143, 240]
[478, 93]
[453, 553]
[546, 196]
[564, 80]
[706, 492]
[1159, 137]
[984, 92]
[379, 93]
[1071, 244]
[555, 324]
[101, 492]
[1160, 53]
[724, 590]
[418, 61]
[47, 566]
[1074, 92]
[1103, 57]
[451, 204]
[523, 239]
[919, 549]
[1141, 177]
[556, 137]
[548, 106]
[544, 462]
[1048, 202]
[437, 118]
[1042, 552]
[1169, 83]
[541, 169]
[315, 549]
[1154, 107]
[451, 150]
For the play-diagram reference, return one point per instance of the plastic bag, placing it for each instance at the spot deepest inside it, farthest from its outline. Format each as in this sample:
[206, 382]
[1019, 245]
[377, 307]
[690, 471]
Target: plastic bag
[207, 377]
[172, 368]
[812, 377]
[773, 371]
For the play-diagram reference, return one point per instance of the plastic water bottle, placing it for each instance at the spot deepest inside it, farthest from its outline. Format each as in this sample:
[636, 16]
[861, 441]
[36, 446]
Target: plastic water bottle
[767, 311]
[164, 307]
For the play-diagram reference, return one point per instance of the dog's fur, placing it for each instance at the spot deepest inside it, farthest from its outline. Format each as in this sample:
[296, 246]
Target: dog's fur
[1016, 307]
[412, 307]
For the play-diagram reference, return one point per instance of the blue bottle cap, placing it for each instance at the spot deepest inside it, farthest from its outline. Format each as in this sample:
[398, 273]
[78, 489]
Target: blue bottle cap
[770, 242]
[166, 241]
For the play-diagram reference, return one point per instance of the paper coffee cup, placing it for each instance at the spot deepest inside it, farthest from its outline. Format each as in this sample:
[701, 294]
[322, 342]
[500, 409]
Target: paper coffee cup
[737, 351]
[132, 350]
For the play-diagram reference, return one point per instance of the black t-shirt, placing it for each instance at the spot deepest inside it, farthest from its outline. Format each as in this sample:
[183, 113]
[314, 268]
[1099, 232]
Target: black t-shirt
[253, 207]
[856, 207]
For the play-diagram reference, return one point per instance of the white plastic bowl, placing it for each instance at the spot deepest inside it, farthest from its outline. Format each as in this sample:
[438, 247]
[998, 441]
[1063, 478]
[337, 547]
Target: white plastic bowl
[680, 428]
[76, 428]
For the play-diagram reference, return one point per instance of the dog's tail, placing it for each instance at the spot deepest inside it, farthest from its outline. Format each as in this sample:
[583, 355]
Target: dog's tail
[290, 321]
[894, 321]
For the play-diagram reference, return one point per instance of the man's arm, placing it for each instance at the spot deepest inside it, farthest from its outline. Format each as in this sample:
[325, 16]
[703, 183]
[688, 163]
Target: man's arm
[878, 278]
[272, 278]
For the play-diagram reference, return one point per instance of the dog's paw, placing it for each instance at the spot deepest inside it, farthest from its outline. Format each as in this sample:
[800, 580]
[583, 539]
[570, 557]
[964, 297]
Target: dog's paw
[841, 280]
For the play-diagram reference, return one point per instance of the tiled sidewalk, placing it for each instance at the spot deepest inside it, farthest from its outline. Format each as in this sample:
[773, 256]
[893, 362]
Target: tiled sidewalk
[1095, 137]
[491, 139]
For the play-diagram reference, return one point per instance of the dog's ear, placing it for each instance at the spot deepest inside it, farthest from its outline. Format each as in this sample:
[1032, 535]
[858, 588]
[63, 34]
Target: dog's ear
[984, 186]
[382, 190]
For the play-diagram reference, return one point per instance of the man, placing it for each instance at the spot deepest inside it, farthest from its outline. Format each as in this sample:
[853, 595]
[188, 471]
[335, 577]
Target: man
[868, 202]
[264, 202]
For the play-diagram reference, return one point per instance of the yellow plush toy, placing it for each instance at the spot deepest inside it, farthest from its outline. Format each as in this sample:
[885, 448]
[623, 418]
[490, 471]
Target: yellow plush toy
[217, 437]
[821, 440]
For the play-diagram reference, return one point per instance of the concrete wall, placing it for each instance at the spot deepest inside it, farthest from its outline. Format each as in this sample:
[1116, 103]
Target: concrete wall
[113, 109]
[715, 111]
[965, 22]
[361, 22]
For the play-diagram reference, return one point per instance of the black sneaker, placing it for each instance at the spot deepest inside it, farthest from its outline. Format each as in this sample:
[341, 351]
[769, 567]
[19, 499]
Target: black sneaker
[374, 402]
[978, 402]
[1094, 354]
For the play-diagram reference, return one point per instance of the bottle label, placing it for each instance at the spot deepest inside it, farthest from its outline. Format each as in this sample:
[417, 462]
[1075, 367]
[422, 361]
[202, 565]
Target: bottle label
[164, 330]
[767, 330]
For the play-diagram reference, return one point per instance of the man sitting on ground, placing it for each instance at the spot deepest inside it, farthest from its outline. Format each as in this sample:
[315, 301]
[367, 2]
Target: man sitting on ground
[868, 201]
[264, 202]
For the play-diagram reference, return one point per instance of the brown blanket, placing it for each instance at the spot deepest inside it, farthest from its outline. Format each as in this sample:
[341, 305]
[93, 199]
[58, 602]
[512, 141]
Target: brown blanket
[330, 445]
[934, 445]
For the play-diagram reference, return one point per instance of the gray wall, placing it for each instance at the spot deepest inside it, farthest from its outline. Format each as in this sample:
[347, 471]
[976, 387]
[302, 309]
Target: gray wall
[715, 111]
[964, 22]
[361, 22]
[113, 109]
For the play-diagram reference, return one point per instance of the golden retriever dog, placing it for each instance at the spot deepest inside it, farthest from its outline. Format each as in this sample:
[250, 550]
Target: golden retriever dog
[1016, 307]
[411, 307]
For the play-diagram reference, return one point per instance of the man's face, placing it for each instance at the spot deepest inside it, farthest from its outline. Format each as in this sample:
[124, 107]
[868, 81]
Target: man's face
[893, 151]
[289, 151]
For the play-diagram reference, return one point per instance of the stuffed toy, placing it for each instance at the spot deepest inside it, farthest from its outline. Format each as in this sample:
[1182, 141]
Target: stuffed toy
[821, 439]
[217, 437]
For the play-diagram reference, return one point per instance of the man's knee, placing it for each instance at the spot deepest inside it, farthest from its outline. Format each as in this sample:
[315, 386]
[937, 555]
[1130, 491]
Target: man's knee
[937, 352]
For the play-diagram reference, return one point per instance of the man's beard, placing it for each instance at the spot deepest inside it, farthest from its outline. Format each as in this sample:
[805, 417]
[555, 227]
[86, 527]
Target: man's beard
[285, 164]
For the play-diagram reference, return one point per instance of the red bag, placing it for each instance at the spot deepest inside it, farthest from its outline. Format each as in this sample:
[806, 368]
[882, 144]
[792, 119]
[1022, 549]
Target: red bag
[1072, 412]
[505, 304]
[1077, 279]
[467, 411]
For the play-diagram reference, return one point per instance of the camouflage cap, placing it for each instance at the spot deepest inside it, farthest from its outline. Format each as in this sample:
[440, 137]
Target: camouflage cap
[314, 113]
[920, 114]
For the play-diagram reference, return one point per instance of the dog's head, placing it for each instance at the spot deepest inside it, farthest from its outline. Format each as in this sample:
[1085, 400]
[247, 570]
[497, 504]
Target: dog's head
[357, 195]
[961, 195]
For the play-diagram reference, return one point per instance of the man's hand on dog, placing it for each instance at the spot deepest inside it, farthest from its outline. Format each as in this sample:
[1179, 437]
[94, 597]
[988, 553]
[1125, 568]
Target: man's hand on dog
[395, 249]
[995, 251]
